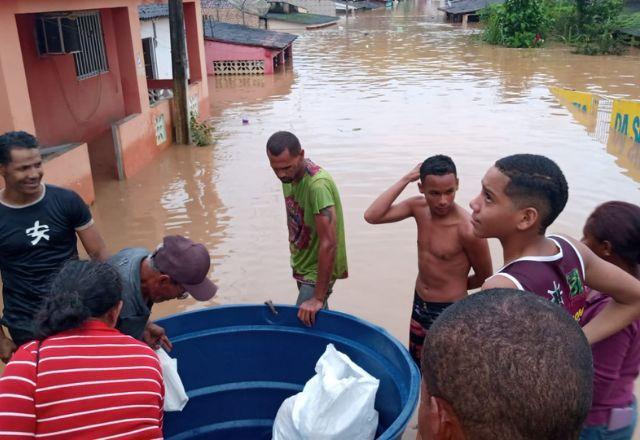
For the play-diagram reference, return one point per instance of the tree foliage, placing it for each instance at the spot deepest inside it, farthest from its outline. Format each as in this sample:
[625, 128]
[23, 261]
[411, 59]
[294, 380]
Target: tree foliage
[598, 22]
[516, 23]
[591, 26]
[201, 132]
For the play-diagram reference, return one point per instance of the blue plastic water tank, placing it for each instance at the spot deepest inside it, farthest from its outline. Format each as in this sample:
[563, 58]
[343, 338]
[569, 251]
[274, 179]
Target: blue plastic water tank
[238, 364]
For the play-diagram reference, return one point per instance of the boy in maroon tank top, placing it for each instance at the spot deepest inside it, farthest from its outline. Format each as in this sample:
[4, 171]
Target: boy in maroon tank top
[521, 196]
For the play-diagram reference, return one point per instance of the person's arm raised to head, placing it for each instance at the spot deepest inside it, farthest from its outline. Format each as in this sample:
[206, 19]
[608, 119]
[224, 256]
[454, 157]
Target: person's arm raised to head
[477, 250]
[623, 289]
[93, 243]
[383, 210]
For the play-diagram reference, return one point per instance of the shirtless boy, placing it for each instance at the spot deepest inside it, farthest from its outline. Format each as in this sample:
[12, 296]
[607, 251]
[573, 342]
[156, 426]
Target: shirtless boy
[447, 247]
[521, 196]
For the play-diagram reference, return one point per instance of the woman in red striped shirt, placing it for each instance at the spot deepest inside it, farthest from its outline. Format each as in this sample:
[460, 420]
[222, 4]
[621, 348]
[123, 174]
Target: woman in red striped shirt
[82, 379]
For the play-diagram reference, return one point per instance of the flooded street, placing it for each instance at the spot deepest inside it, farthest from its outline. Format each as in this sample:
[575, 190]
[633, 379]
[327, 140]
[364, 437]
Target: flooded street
[369, 99]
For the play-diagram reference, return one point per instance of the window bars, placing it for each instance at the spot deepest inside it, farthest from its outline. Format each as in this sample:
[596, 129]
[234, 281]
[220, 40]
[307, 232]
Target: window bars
[92, 58]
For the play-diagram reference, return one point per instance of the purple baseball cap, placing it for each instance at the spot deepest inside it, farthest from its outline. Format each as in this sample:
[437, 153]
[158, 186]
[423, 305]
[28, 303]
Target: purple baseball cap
[186, 263]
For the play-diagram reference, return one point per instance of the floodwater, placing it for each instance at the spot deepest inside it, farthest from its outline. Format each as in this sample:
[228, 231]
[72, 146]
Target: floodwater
[369, 99]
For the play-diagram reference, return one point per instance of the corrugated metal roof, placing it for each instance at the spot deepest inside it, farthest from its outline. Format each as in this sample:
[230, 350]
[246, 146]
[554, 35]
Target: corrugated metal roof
[300, 18]
[238, 34]
[361, 4]
[153, 10]
[467, 6]
[215, 4]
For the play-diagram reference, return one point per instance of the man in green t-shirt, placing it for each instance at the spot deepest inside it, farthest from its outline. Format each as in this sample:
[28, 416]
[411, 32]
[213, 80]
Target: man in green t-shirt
[314, 218]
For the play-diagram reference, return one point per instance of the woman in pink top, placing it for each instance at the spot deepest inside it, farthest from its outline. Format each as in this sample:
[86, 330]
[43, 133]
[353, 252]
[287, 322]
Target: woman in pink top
[612, 231]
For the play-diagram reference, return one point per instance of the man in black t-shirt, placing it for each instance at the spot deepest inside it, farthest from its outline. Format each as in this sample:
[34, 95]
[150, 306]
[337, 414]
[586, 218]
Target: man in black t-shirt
[38, 227]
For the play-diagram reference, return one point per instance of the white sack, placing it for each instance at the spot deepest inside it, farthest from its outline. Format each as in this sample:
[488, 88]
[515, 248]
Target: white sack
[175, 397]
[336, 403]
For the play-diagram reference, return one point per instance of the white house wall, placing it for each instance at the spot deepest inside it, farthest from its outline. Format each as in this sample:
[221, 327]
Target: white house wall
[322, 7]
[162, 46]
[285, 26]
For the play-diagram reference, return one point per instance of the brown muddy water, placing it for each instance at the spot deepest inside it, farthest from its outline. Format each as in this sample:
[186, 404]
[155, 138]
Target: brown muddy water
[369, 99]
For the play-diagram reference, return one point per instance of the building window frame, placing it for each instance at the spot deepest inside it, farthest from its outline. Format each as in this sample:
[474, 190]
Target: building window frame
[149, 55]
[92, 59]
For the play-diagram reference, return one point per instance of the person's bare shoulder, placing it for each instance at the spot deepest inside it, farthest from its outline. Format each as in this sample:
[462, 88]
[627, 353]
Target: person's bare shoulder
[418, 205]
[462, 212]
[572, 240]
[498, 281]
[465, 228]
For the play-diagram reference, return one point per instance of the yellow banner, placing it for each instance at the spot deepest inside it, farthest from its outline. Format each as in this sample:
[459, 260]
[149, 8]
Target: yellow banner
[625, 118]
[583, 101]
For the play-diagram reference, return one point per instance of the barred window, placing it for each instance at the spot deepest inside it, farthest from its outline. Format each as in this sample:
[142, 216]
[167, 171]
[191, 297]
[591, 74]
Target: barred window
[92, 58]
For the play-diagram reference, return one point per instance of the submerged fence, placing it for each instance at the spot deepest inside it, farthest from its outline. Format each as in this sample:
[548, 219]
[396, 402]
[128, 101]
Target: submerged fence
[613, 122]
[612, 114]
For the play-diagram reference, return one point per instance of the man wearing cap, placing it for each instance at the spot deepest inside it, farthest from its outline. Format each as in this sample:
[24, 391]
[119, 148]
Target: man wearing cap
[178, 267]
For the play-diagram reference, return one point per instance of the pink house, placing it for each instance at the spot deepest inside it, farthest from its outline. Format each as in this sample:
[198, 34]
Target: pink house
[233, 49]
[72, 72]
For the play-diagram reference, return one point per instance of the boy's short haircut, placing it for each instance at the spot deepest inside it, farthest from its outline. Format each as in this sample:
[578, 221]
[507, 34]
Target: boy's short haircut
[15, 139]
[437, 165]
[535, 181]
[512, 366]
[283, 140]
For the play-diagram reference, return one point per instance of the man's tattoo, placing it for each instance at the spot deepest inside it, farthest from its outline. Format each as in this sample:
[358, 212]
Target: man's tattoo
[326, 212]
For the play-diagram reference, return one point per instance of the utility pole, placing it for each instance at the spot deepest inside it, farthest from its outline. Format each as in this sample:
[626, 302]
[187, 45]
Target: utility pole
[179, 64]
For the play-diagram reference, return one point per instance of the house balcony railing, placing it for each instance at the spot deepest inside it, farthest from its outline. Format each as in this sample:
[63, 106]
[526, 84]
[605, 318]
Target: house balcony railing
[156, 95]
[159, 90]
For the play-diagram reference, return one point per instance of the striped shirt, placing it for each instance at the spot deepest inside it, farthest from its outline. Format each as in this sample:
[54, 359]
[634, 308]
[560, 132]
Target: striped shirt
[91, 382]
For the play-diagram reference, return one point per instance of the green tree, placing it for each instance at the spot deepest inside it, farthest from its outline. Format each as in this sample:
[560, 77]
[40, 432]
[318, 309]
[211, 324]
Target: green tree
[598, 22]
[591, 26]
[516, 23]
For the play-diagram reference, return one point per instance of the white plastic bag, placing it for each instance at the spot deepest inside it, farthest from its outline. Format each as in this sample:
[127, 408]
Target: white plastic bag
[336, 403]
[175, 397]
